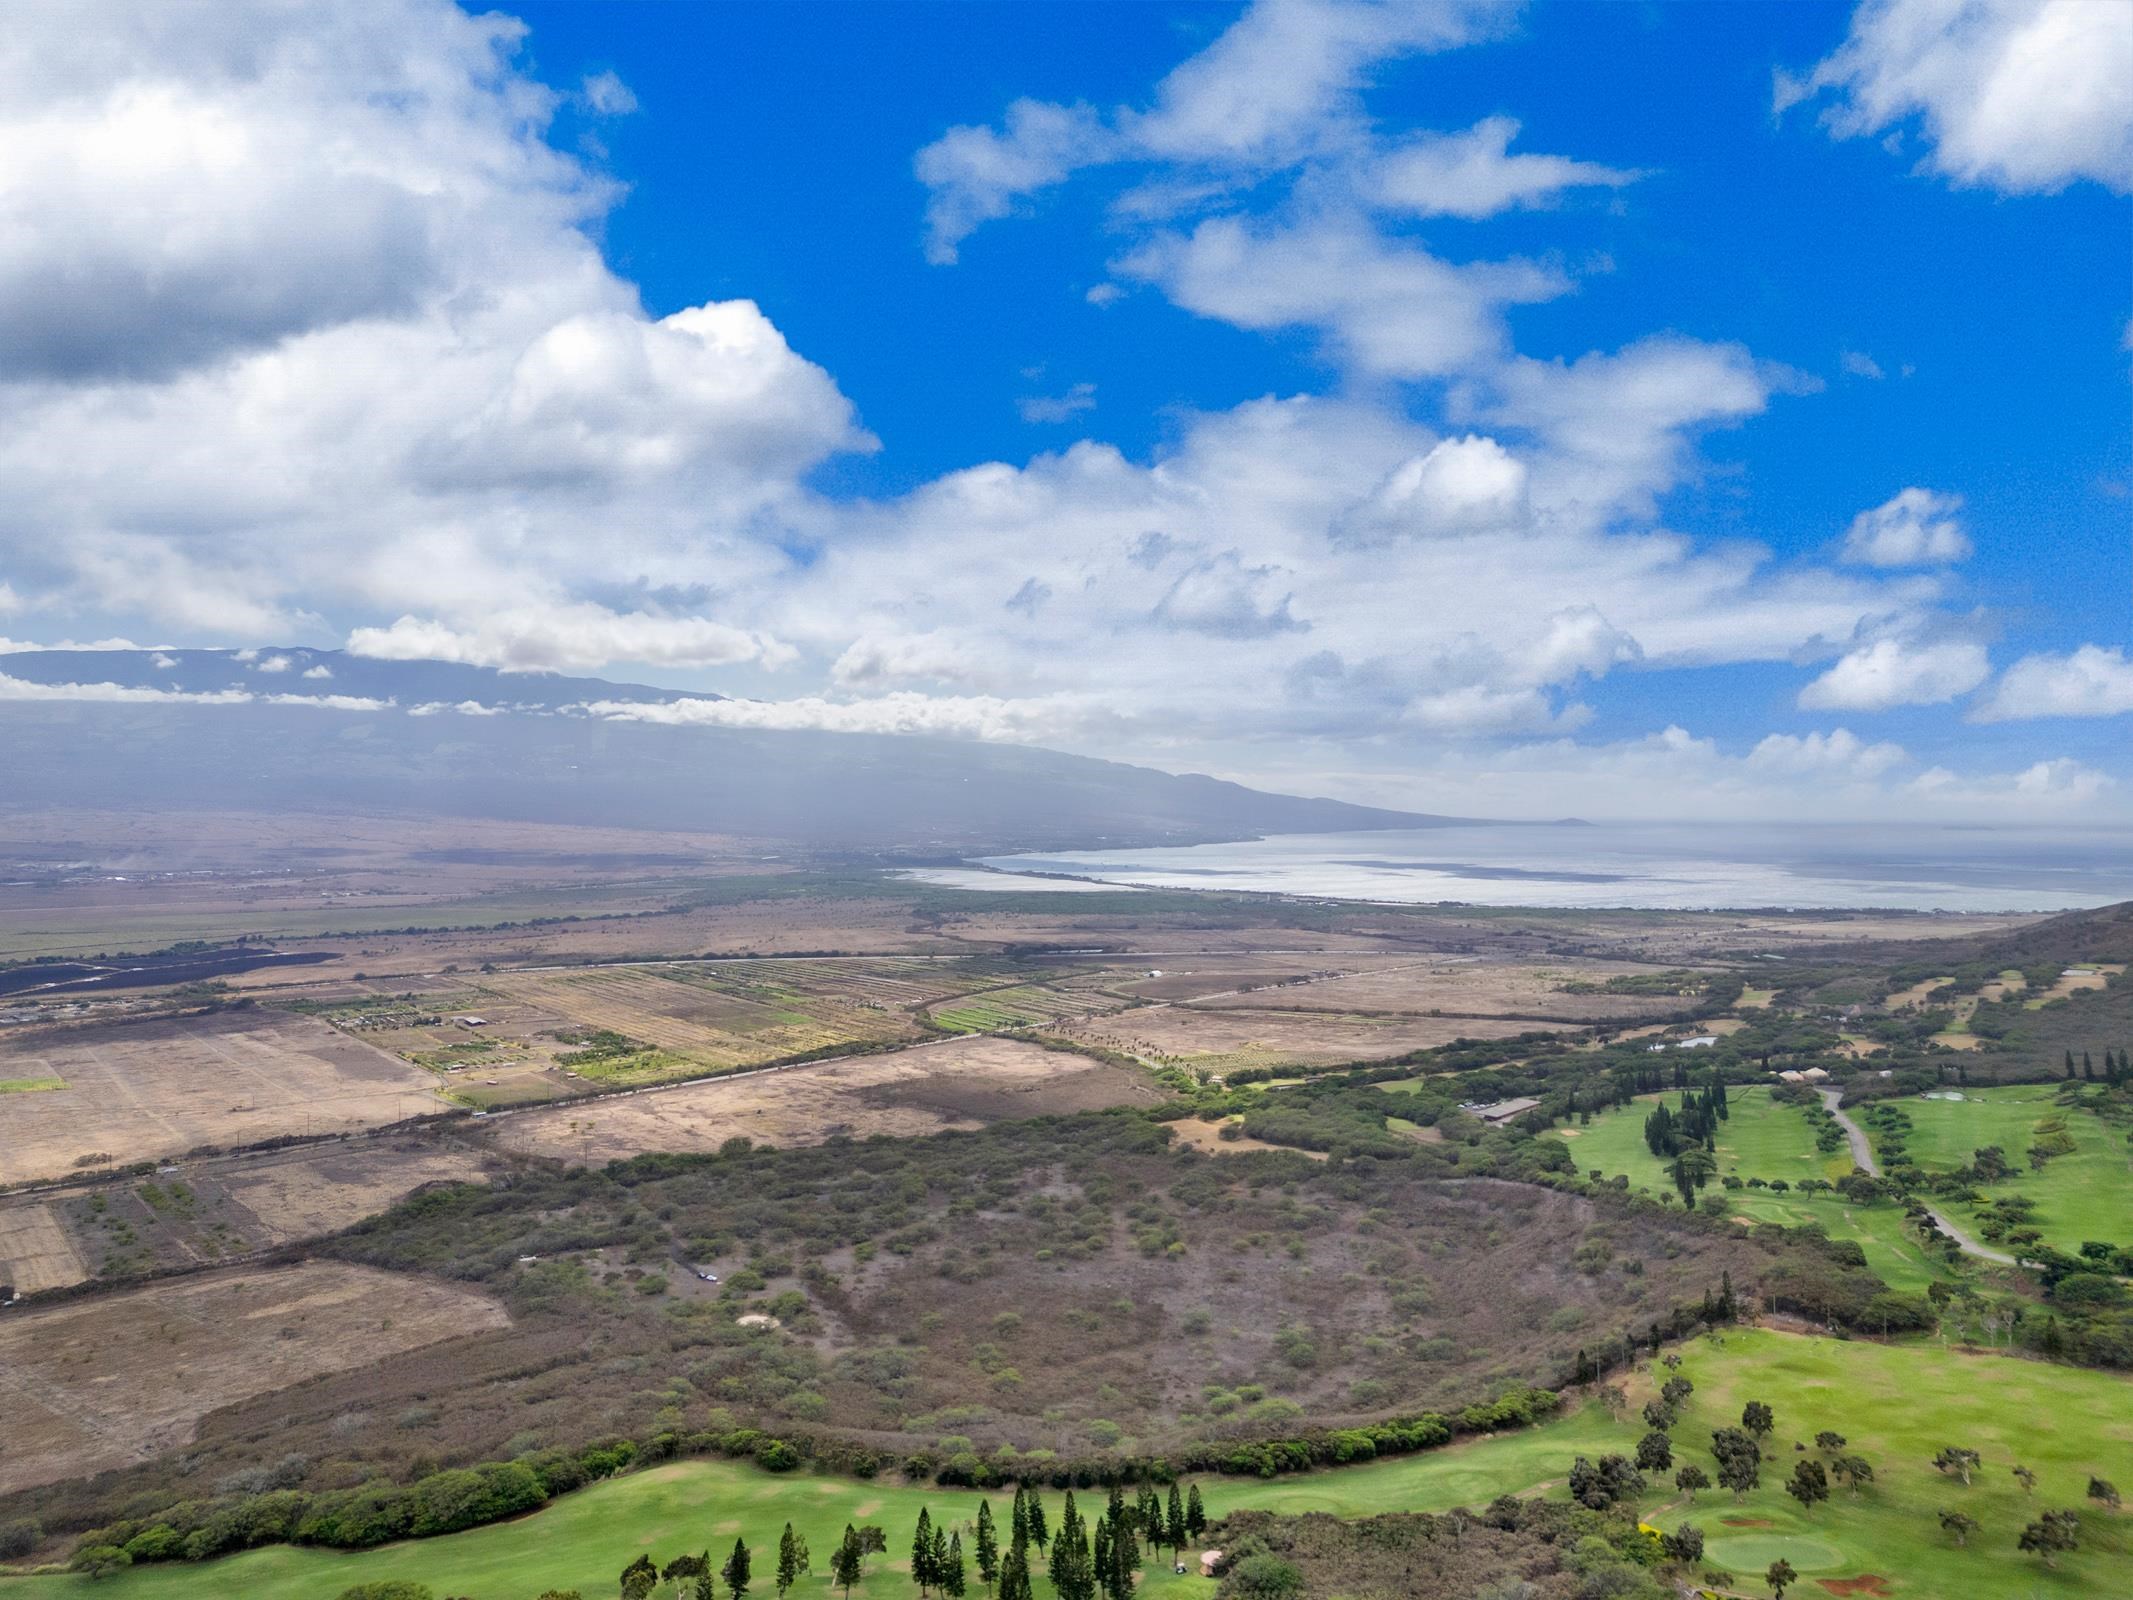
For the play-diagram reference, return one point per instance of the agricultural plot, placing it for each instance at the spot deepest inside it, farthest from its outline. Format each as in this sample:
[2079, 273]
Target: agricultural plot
[704, 1020]
[159, 1088]
[1885, 1542]
[200, 1213]
[103, 1383]
[203, 1212]
[36, 1252]
[2085, 1193]
[1228, 1040]
[693, 1019]
[1455, 988]
[1022, 1006]
[961, 1083]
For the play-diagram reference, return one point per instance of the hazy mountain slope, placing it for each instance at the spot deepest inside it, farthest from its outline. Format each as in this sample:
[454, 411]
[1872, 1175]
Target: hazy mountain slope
[2104, 934]
[861, 791]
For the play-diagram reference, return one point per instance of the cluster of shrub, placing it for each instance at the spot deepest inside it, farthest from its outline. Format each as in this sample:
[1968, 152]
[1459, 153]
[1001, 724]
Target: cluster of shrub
[1268, 1458]
[352, 1519]
[1538, 1549]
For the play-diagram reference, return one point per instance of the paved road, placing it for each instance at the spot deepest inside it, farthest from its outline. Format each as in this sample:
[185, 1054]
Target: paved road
[1863, 1158]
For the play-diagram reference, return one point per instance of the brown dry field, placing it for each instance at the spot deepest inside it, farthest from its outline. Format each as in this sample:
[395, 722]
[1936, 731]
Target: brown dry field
[115, 1380]
[301, 1194]
[35, 1250]
[2069, 984]
[1207, 1136]
[1467, 989]
[1917, 995]
[661, 1006]
[1279, 1038]
[958, 1083]
[235, 1205]
[701, 1018]
[163, 1087]
[1201, 977]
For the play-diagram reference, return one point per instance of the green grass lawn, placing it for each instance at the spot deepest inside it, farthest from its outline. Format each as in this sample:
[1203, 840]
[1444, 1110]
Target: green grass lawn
[2085, 1195]
[1896, 1404]
[584, 1540]
[1761, 1139]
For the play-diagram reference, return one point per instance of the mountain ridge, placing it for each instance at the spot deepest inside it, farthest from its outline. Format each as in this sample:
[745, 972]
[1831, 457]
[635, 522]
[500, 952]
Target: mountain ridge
[896, 793]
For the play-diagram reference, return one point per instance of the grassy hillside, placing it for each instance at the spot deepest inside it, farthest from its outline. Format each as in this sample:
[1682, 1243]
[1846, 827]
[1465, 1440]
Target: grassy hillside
[1896, 1405]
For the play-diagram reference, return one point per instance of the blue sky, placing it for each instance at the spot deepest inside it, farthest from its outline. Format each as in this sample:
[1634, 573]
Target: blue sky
[1700, 409]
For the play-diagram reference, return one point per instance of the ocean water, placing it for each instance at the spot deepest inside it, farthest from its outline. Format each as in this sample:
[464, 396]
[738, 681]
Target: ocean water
[1671, 866]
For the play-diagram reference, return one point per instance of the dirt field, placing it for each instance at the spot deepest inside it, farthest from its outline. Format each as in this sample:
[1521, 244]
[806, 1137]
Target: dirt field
[1918, 995]
[161, 1088]
[201, 1212]
[302, 1194]
[714, 1016]
[663, 1021]
[105, 1382]
[960, 1083]
[35, 1252]
[1207, 1136]
[1225, 1039]
[1475, 989]
[2076, 980]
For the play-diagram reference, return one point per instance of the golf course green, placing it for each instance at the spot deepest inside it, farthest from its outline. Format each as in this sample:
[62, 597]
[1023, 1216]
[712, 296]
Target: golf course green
[1761, 1138]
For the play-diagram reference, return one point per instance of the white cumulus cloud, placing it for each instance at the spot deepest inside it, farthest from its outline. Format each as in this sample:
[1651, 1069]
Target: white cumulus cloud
[1916, 528]
[579, 635]
[1474, 175]
[1897, 672]
[2090, 682]
[2023, 96]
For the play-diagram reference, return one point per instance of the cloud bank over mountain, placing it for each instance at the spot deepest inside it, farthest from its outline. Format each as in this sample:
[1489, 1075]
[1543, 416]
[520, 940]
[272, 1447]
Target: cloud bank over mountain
[309, 337]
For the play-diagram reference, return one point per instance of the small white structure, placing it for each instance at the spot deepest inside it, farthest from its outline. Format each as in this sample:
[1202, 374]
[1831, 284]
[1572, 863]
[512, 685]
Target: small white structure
[1703, 1041]
[472, 1022]
[1209, 1560]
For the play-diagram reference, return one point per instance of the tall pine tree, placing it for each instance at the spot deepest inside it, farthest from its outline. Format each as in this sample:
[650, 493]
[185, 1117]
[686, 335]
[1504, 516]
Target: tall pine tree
[988, 1551]
[1014, 1573]
[922, 1552]
[792, 1560]
[737, 1570]
[948, 1568]
[848, 1565]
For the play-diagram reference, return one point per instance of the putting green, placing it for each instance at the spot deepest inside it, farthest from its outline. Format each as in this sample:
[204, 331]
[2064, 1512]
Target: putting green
[1752, 1552]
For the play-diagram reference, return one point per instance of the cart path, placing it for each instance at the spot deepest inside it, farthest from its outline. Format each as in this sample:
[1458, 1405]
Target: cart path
[1863, 1158]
